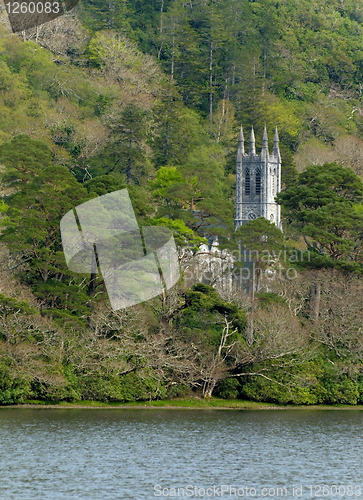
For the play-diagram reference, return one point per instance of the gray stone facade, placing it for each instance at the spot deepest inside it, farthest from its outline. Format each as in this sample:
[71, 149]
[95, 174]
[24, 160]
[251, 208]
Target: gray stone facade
[258, 180]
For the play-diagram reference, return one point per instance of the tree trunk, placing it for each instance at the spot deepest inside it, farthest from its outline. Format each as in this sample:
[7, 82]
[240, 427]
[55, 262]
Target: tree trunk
[315, 293]
[208, 391]
[128, 167]
[173, 55]
[251, 318]
[264, 68]
[210, 82]
[166, 141]
[92, 285]
[161, 16]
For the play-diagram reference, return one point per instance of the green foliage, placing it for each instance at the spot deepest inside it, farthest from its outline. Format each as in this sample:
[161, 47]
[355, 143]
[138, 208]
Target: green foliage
[127, 148]
[197, 192]
[320, 382]
[48, 101]
[124, 388]
[9, 305]
[260, 235]
[202, 319]
[164, 178]
[13, 388]
[103, 184]
[322, 204]
[178, 391]
[266, 299]
[24, 158]
[228, 389]
[44, 193]
[183, 235]
[275, 61]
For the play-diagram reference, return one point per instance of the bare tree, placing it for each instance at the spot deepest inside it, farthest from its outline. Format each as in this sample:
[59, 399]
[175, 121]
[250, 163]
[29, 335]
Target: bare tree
[349, 150]
[214, 366]
[338, 324]
[64, 36]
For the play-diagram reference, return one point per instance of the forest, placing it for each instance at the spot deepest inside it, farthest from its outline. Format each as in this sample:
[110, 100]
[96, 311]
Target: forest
[149, 95]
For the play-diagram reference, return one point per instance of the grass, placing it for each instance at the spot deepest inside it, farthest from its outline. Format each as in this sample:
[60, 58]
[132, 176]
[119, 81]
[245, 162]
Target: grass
[182, 403]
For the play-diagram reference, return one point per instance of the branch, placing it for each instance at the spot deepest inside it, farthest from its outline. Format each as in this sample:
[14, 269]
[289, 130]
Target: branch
[17, 265]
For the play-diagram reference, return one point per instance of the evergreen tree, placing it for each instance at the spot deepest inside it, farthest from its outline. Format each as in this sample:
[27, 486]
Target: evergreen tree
[32, 230]
[323, 204]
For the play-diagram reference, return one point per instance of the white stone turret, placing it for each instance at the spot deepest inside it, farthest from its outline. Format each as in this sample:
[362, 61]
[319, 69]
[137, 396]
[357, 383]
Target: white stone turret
[252, 150]
[258, 181]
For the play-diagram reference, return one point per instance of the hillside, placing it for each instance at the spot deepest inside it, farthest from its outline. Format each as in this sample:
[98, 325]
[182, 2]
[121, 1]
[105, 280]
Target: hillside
[150, 95]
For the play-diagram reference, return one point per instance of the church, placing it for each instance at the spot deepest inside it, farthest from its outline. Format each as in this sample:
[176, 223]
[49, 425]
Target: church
[258, 180]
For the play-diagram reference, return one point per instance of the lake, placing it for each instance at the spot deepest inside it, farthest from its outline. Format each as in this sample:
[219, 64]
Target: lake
[146, 454]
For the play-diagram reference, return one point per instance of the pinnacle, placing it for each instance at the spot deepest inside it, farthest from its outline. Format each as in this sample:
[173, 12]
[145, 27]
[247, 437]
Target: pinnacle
[241, 143]
[264, 137]
[252, 143]
[252, 139]
[241, 137]
[276, 137]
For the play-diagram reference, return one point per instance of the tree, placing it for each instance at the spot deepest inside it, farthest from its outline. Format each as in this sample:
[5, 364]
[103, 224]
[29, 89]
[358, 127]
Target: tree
[338, 316]
[24, 158]
[127, 145]
[99, 14]
[223, 125]
[216, 368]
[262, 239]
[197, 192]
[121, 62]
[44, 193]
[178, 130]
[212, 327]
[323, 205]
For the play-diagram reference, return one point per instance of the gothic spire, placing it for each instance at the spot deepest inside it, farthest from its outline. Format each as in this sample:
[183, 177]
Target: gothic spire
[276, 148]
[252, 149]
[241, 145]
[265, 139]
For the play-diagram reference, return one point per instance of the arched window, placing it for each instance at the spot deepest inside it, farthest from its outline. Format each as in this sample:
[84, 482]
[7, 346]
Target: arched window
[258, 182]
[247, 182]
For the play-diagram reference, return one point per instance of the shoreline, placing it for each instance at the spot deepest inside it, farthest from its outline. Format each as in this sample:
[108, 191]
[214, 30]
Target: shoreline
[177, 404]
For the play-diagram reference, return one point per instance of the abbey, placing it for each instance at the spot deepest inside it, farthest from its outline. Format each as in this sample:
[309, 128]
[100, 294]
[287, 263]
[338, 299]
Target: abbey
[258, 180]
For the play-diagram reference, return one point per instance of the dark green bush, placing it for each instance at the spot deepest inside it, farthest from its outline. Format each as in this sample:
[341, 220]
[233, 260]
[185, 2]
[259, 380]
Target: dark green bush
[228, 389]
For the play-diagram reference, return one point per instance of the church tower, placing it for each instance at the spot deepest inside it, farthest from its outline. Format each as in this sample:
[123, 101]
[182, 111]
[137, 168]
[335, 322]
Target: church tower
[258, 180]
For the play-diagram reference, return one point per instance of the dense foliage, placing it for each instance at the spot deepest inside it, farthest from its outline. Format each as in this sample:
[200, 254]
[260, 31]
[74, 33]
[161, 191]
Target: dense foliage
[149, 95]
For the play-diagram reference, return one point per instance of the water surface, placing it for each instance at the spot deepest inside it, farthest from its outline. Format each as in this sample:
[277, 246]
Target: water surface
[142, 454]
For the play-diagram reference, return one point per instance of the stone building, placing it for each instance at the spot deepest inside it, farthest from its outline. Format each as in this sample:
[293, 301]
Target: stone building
[258, 180]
